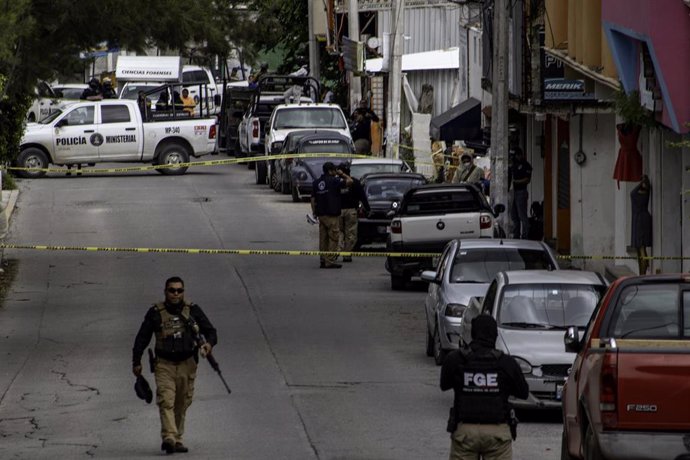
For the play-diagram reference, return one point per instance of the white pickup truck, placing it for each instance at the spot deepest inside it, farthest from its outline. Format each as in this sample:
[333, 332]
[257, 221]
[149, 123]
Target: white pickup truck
[112, 130]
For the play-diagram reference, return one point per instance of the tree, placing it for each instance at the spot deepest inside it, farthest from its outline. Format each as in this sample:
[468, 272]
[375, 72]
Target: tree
[40, 39]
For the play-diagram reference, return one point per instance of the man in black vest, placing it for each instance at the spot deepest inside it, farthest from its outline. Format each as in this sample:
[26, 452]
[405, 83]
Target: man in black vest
[351, 198]
[482, 379]
[326, 204]
[178, 325]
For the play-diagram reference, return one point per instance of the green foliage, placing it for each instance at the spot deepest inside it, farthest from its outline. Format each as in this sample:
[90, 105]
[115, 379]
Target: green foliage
[628, 107]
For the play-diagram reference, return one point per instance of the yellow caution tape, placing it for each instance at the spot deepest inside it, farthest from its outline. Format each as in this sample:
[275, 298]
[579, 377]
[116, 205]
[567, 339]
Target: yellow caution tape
[281, 252]
[228, 161]
[241, 252]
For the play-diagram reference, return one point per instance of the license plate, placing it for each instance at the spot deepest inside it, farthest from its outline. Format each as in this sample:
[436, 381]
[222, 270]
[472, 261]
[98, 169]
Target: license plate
[559, 392]
[382, 229]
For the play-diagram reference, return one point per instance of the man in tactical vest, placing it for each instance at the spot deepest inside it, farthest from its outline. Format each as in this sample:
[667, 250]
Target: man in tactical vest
[482, 379]
[182, 330]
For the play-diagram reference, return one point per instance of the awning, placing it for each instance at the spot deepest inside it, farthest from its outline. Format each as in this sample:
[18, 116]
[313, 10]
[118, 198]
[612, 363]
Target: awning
[428, 60]
[462, 122]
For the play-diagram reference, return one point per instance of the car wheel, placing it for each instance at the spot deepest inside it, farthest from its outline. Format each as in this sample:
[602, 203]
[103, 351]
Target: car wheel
[32, 158]
[429, 343]
[173, 154]
[565, 455]
[295, 195]
[397, 282]
[275, 185]
[439, 352]
[260, 172]
[590, 445]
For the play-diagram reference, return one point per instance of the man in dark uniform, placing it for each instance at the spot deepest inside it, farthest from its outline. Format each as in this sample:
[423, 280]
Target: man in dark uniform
[482, 379]
[107, 89]
[178, 326]
[351, 197]
[93, 92]
[361, 127]
[521, 174]
[326, 204]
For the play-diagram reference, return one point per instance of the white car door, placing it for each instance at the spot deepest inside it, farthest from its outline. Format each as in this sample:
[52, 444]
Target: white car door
[121, 133]
[75, 137]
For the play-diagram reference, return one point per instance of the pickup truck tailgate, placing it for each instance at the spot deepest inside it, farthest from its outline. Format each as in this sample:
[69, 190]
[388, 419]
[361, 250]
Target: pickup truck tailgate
[654, 384]
[444, 227]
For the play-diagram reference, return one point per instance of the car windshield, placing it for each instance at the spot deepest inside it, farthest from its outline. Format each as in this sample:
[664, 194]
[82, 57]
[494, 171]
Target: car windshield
[359, 170]
[390, 189]
[303, 117]
[480, 265]
[548, 305]
[50, 118]
[69, 93]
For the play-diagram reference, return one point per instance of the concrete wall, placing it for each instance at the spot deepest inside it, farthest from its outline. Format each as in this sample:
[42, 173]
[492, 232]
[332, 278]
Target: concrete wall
[595, 222]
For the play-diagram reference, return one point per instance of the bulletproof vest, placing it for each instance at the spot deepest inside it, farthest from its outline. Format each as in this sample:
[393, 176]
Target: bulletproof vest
[175, 335]
[480, 398]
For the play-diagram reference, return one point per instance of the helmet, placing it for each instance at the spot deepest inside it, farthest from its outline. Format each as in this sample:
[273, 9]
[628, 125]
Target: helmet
[93, 83]
[143, 389]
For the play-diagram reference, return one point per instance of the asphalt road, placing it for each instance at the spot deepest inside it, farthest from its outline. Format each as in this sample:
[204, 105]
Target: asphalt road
[324, 364]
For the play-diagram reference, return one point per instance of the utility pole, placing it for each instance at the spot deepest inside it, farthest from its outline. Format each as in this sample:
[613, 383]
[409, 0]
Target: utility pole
[499, 112]
[314, 69]
[353, 33]
[395, 79]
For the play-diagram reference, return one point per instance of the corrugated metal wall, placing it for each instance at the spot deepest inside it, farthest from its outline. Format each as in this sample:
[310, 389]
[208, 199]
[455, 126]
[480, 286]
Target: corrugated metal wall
[429, 29]
[443, 82]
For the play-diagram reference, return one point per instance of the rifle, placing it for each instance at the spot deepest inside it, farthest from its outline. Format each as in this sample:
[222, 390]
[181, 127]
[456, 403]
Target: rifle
[212, 361]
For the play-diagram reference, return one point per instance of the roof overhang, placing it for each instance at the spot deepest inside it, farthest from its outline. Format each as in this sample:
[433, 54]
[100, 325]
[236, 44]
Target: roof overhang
[428, 60]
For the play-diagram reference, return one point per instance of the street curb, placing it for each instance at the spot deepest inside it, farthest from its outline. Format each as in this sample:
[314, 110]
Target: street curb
[11, 201]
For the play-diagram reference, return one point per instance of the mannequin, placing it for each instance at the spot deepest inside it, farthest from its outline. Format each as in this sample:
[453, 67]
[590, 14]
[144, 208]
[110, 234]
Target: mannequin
[641, 227]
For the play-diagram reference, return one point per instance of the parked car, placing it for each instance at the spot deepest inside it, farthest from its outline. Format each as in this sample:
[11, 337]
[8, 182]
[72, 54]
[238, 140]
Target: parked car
[384, 193]
[361, 166]
[302, 172]
[70, 91]
[532, 309]
[465, 270]
[430, 216]
[627, 394]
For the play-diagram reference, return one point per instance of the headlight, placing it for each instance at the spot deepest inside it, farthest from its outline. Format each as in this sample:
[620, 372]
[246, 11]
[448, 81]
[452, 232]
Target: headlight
[302, 175]
[454, 310]
[525, 366]
[276, 146]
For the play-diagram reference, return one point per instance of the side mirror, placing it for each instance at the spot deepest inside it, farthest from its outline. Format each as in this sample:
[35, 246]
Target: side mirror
[499, 208]
[61, 123]
[572, 340]
[430, 276]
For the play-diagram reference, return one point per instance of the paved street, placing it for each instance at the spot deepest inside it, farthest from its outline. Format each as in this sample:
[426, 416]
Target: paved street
[324, 364]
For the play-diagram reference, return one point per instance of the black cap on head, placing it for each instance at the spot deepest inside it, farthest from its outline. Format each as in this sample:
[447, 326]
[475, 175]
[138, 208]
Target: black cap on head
[328, 166]
[143, 389]
[484, 330]
[466, 157]
[345, 167]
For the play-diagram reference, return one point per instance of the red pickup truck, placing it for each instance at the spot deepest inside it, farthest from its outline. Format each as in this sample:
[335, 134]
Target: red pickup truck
[627, 395]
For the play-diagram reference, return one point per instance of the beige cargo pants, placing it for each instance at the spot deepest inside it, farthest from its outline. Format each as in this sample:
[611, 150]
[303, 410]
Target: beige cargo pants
[492, 442]
[348, 226]
[174, 392]
[329, 236]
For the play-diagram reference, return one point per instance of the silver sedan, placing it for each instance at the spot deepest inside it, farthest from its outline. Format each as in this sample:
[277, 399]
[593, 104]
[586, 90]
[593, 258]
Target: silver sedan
[465, 270]
[532, 309]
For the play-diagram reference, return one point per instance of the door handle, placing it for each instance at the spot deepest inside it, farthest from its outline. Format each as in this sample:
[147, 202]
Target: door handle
[88, 130]
[130, 129]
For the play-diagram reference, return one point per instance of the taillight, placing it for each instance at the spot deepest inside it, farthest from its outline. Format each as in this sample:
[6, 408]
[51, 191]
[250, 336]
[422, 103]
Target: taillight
[255, 128]
[212, 132]
[608, 386]
[396, 226]
[484, 221]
